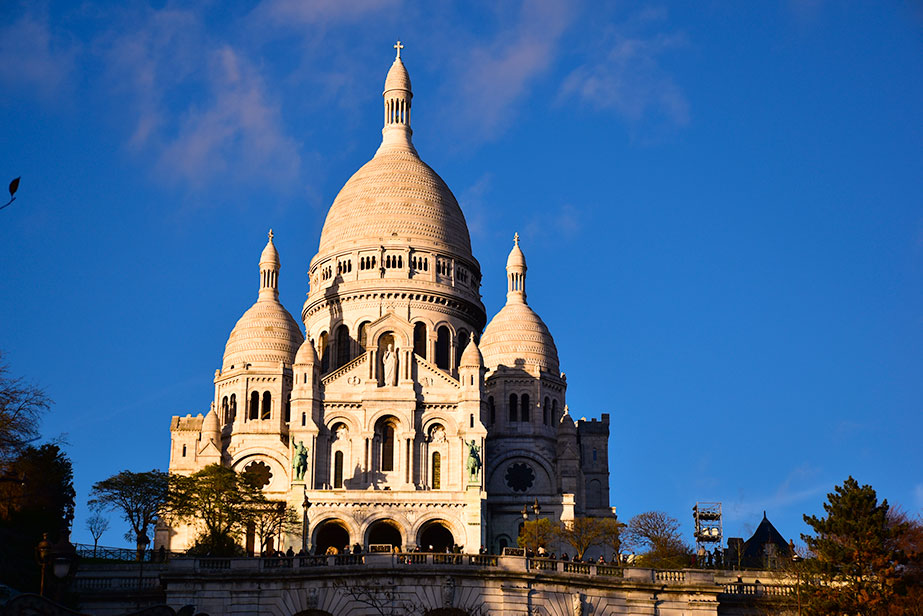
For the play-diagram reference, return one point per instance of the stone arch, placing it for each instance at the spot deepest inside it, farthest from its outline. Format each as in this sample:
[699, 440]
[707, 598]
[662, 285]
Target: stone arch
[330, 532]
[499, 467]
[339, 417]
[454, 526]
[435, 417]
[404, 422]
[383, 530]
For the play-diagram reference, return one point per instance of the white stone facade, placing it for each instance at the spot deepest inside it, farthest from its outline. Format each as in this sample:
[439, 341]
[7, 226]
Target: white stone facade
[393, 390]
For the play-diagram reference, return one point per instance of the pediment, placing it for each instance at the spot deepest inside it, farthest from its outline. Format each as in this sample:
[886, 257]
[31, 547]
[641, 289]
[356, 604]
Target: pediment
[390, 322]
[431, 378]
[347, 377]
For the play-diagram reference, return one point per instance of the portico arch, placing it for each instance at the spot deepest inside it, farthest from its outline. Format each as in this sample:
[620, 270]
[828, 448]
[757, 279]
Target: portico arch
[435, 536]
[330, 533]
[384, 531]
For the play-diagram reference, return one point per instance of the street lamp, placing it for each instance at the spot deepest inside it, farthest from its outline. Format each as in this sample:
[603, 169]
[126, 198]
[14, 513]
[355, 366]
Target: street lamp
[43, 555]
[143, 542]
[536, 508]
[525, 513]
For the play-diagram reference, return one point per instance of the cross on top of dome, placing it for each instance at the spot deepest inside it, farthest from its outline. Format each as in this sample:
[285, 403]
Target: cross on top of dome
[398, 46]
[271, 235]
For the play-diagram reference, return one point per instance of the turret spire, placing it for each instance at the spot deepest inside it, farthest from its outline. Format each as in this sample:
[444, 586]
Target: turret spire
[269, 270]
[516, 274]
[397, 100]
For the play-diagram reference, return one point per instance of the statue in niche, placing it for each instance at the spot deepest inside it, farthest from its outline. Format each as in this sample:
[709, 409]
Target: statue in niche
[300, 461]
[437, 435]
[474, 461]
[578, 604]
[389, 361]
[342, 433]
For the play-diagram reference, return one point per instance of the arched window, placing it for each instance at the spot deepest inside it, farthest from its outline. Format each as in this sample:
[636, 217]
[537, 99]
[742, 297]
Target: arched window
[387, 448]
[342, 345]
[322, 353]
[419, 339]
[554, 412]
[524, 412]
[442, 348]
[364, 335]
[437, 470]
[513, 403]
[233, 408]
[267, 405]
[184, 451]
[288, 407]
[338, 469]
[254, 405]
[460, 345]
[545, 411]
[225, 410]
[492, 410]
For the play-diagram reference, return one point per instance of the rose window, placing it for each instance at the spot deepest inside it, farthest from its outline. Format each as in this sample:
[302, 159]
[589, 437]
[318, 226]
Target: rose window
[260, 472]
[520, 477]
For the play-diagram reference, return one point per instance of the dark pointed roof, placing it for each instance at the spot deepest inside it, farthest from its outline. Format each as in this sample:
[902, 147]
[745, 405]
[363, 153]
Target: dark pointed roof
[754, 551]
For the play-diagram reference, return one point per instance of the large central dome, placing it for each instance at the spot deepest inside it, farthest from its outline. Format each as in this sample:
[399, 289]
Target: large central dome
[395, 196]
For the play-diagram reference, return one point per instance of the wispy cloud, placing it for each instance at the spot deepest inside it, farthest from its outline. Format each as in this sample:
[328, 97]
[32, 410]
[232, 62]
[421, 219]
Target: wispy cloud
[794, 489]
[626, 74]
[492, 76]
[33, 60]
[199, 104]
[298, 12]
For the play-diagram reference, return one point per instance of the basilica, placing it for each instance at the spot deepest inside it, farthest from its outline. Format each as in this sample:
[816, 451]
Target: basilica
[395, 417]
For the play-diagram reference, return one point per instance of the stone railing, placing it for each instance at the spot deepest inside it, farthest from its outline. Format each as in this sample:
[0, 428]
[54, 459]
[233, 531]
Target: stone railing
[669, 576]
[759, 590]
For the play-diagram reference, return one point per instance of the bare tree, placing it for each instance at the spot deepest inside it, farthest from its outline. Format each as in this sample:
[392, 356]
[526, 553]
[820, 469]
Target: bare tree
[21, 407]
[97, 525]
[658, 534]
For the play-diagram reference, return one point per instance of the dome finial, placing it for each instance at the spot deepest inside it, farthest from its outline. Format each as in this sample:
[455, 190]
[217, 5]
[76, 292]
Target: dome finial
[269, 270]
[516, 273]
[398, 46]
[271, 234]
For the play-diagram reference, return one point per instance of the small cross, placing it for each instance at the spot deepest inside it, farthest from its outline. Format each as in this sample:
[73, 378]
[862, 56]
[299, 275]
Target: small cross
[271, 234]
[516, 239]
[398, 46]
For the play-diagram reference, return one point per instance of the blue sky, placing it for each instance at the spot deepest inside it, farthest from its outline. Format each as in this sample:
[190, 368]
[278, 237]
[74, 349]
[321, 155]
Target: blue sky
[720, 204]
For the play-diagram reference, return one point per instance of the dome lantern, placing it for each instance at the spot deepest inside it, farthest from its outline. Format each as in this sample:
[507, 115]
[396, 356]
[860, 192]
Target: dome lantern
[397, 101]
[269, 270]
[516, 274]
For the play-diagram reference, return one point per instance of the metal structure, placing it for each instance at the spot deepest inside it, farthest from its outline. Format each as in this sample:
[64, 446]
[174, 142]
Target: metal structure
[708, 528]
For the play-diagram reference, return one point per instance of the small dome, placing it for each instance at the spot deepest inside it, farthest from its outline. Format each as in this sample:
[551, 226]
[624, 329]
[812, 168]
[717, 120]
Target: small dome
[517, 336]
[306, 354]
[471, 358]
[270, 256]
[210, 423]
[265, 334]
[516, 258]
[398, 78]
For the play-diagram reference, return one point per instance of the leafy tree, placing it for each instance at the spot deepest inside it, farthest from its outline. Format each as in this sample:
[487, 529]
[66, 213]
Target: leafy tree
[138, 497]
[97, 525]
[582, 534]
[857, 567]
[221, 501]
[38, 499]
[21, 407]
[658, 535]
[537, 533]
[909, 600]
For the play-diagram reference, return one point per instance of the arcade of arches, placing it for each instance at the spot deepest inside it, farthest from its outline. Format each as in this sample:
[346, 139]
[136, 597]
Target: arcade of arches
[332, 536]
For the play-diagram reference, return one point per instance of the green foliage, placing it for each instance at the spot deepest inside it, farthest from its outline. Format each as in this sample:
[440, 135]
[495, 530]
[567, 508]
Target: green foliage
[219, 500]
[857, 563]
[138, 497]
[38, 498]
[657, 535]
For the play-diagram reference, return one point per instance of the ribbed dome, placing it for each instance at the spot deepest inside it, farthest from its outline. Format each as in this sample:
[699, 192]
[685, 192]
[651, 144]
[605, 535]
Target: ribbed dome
[517, 335]
[306, 354]
[266, 333]
[395, 196]
[471, 357]
[398, 78]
